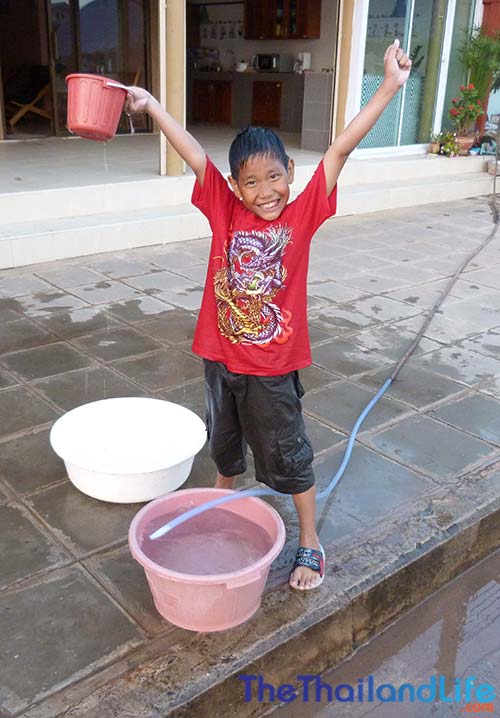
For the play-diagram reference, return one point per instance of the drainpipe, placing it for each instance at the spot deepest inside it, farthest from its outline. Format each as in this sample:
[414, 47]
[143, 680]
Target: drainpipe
[172, 51]
[490, 26]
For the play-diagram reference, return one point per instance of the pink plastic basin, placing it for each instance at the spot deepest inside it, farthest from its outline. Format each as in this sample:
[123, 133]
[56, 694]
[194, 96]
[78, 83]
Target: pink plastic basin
[211, 602]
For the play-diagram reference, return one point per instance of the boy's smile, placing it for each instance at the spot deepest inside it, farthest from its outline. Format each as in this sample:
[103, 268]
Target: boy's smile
[263, 185]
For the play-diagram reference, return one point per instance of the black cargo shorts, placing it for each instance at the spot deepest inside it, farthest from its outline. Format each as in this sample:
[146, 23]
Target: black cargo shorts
[266, 413]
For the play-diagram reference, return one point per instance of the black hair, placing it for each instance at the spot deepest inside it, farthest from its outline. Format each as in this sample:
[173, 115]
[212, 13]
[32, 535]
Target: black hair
[255, 141]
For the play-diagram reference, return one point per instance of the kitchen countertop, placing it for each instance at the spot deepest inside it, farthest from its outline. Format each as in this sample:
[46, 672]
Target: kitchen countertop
[232, 74]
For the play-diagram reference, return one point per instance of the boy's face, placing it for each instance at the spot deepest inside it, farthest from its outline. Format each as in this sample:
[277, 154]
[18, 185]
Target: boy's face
[263, 185]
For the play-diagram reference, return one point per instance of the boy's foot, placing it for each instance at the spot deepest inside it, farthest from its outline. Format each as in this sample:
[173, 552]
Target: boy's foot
[309, 568]
[224, 482]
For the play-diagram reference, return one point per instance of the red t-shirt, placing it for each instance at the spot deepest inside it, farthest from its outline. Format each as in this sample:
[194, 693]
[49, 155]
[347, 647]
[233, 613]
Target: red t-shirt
[253, 315]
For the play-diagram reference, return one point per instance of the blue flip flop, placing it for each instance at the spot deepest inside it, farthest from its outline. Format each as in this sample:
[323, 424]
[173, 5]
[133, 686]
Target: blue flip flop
[313, 559]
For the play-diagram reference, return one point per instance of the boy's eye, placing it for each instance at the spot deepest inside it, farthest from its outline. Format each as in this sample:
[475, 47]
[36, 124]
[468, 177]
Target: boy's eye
[275, 176]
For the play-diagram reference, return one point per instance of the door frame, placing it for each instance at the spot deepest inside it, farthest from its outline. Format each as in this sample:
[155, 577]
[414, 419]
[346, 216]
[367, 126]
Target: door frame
[3, 129]
[360, 22]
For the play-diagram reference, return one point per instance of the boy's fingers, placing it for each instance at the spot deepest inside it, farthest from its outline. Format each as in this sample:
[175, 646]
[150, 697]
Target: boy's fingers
[391, 51]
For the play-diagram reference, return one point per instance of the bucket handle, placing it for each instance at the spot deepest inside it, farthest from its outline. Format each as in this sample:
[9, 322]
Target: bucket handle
[117, 84]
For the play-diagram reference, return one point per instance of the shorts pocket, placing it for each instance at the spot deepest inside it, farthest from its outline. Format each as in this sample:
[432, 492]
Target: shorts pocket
[295, 454]
[298, 386]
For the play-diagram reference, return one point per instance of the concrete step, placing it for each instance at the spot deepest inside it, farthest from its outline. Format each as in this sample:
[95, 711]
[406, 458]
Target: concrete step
[45, 240]
[120, 196]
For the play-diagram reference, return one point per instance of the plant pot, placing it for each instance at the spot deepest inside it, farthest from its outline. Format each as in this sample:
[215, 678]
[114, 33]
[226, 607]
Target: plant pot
[434, 148]
[465, 143]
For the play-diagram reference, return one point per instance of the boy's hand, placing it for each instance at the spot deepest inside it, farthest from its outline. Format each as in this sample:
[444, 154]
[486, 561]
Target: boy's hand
[397, 65]
[137, 100]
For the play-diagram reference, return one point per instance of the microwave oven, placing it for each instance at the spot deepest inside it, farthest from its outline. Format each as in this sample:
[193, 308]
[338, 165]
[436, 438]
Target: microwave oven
[273, 62]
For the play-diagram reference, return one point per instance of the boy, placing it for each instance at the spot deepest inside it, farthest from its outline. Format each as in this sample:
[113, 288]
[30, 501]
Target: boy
[252, 327]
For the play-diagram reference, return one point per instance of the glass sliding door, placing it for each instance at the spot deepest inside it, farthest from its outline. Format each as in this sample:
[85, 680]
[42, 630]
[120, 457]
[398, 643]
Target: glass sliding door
[101, 37]
[419, 26]
[63, 56]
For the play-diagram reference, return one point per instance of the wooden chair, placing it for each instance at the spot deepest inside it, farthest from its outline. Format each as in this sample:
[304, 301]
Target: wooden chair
[42, 85]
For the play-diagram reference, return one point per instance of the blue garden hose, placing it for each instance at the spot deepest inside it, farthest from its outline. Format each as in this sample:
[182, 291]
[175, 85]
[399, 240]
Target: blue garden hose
[352, 438]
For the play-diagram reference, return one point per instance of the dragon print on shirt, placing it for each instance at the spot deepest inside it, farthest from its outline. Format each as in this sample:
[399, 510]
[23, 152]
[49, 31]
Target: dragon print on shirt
[247, 285]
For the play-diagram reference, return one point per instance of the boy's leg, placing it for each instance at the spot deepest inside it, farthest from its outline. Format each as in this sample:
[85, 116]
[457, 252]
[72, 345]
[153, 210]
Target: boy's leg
[305, 505]
[225, 440]
[270, 411]
[224, 482]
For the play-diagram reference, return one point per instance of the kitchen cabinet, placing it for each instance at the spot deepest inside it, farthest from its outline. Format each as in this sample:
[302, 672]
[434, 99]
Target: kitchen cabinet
[282, 19]
[212, 101]
[266, 103]
[277, 107]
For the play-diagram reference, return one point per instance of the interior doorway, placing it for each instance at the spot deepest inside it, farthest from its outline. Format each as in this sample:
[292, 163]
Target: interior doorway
[42, 42]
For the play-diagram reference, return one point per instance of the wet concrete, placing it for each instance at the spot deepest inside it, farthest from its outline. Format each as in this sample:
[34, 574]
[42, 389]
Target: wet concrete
[419, 503]
[452, 636]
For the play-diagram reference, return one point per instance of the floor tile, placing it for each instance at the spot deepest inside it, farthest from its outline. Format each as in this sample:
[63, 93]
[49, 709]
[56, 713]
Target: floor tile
[78, 322]
[431, 446]
[177, 327]
[85, 385]
[43, 654]
[24, 284]
[20, 409]
[313, 377]
[372, 486]
[45, 361]
[45, 304]
[82, 523]
[322, 437]
[7, 379]
[460, 364]
[414, 386]
[143, 308]
[477, 414]
[157, 282]
[343, 357]
[25, 548]
[105, 292]
[340, 405]
[65, 277]
[116, 344]
[23, 334]
[392, 341]
[28, 462]
[125, 579]
[192, 396]
[161, 370]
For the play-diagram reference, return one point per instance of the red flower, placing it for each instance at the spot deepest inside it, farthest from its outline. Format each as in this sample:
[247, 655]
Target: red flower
[479, 102]
[470, 86]
[454, 100]
[454, 112]
[471, 107]
[462, 88]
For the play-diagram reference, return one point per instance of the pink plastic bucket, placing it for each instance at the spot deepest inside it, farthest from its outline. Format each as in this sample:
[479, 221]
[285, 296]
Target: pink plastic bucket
[210, 602]
[95, 104]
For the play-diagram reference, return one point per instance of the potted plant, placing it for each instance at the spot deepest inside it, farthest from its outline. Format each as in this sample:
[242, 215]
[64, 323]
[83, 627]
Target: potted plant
[480, 55]
[464, 111]
[434, 143]
[448, 144]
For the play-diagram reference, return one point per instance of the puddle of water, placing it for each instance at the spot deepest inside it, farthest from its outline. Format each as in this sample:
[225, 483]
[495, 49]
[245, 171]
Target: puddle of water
[452, 636]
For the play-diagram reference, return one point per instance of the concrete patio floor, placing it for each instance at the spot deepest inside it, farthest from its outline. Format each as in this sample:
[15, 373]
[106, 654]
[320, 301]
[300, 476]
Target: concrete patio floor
[419, 502]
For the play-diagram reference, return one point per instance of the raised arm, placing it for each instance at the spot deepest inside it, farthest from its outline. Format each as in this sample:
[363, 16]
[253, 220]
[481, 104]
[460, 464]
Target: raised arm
[140, 100]
[396, 71]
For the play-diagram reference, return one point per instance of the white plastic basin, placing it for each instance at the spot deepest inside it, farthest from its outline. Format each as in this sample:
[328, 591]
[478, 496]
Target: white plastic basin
[129, 449]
